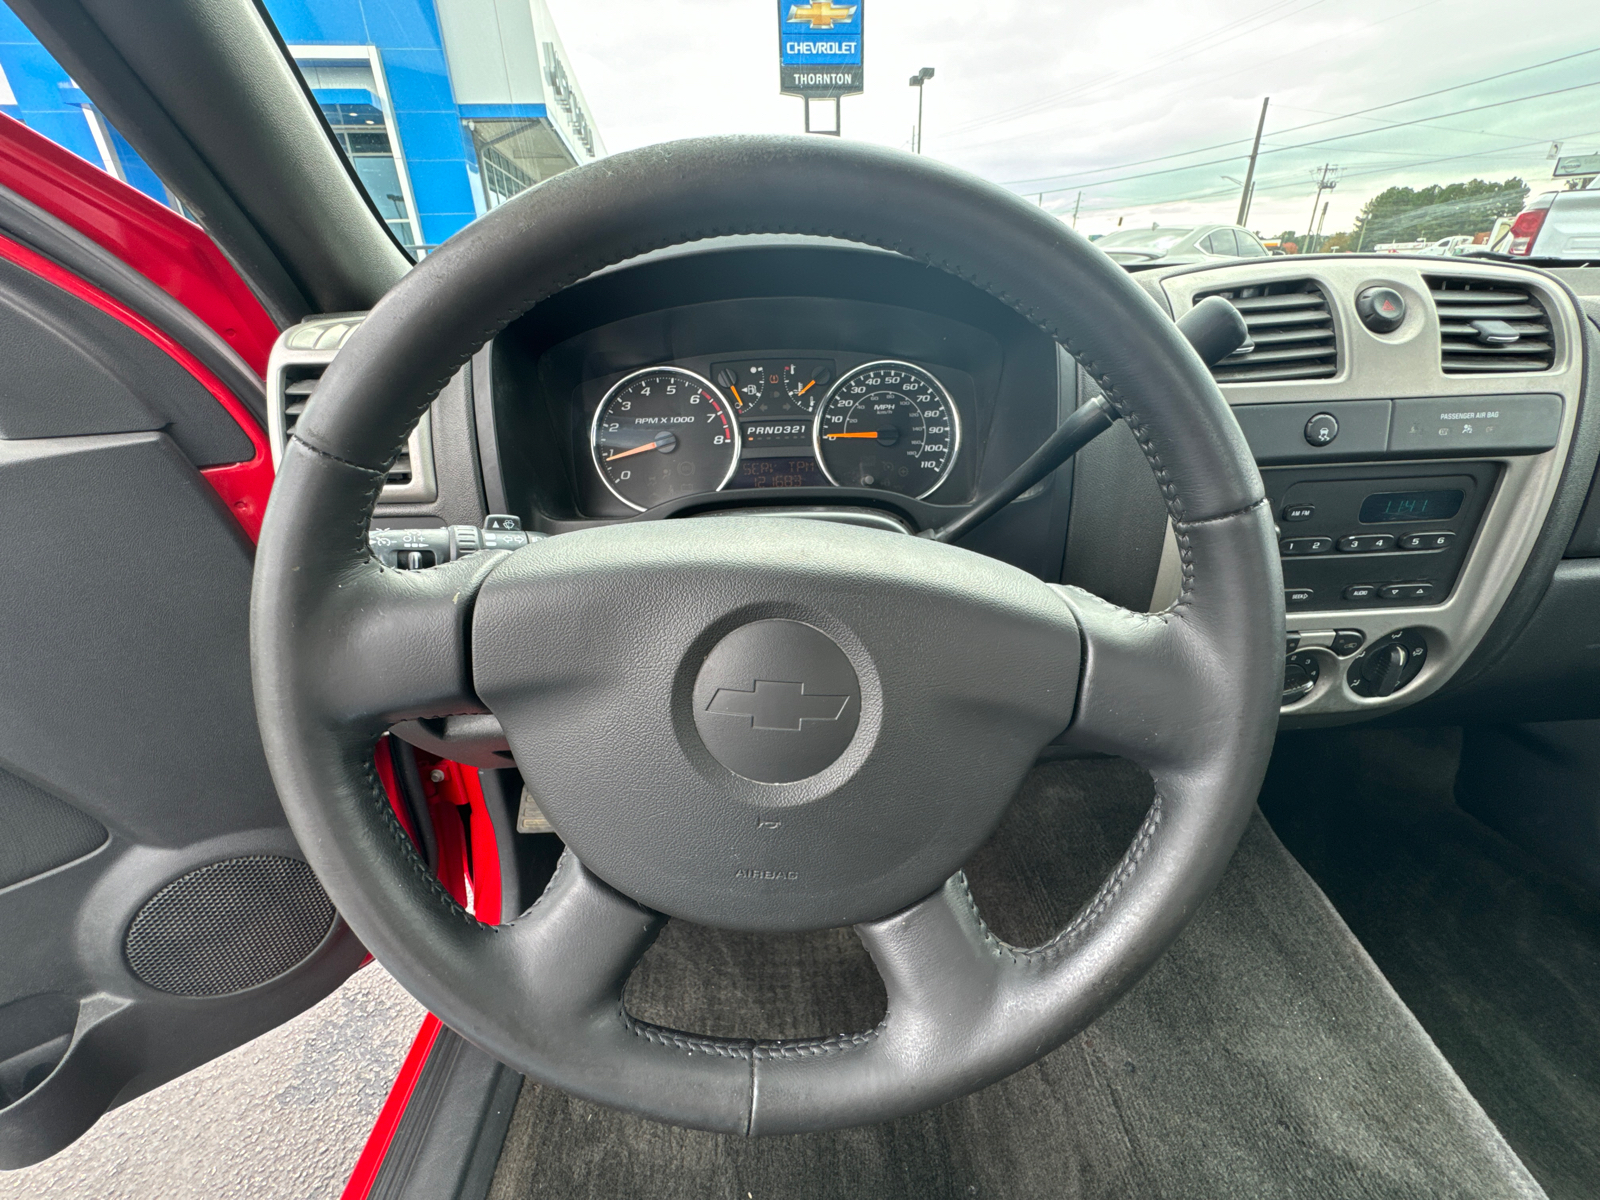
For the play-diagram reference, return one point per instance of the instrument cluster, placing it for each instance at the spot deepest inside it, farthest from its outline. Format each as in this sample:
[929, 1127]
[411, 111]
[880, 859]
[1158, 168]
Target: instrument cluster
[664, 432]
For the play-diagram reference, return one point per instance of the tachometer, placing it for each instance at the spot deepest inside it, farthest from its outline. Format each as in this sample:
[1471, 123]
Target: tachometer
[661, 433]
[887, 425]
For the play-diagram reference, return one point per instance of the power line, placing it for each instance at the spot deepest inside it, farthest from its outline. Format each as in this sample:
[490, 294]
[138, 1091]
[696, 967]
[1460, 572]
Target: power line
[1325, 141]
[1310, 124]
[1285, 181]
[1204, 80]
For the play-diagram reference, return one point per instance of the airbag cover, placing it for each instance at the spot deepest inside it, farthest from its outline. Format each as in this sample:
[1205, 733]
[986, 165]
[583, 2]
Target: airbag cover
[771, 725]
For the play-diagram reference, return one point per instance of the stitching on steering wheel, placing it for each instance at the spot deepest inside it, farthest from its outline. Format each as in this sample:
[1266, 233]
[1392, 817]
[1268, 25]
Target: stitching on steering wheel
[1108, 891]
[408, 848]
[751, 1049]
[660, 1035]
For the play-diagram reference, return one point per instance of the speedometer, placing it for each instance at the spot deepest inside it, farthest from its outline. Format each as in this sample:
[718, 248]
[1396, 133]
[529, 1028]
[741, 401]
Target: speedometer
[662, 433]
[887, 425]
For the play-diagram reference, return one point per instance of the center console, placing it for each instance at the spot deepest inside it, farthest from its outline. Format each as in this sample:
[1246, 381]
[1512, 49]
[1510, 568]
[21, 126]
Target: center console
[1409, 465]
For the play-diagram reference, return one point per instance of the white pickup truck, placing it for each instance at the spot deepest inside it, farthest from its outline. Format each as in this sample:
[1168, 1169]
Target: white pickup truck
[1556, 225]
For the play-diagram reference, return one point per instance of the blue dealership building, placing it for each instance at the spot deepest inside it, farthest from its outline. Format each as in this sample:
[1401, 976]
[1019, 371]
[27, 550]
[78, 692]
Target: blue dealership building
[446, 108]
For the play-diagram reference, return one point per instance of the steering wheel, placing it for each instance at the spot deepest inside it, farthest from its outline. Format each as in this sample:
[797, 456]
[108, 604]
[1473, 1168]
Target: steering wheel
[757, 724]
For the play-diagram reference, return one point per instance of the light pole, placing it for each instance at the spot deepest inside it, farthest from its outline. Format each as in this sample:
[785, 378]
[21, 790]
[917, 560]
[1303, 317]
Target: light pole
[917, 80]
[1248, 187]
[1326, 183]
[1246, 190]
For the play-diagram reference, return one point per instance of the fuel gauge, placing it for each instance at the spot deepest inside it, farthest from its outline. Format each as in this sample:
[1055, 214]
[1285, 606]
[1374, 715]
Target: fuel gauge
[745, 384]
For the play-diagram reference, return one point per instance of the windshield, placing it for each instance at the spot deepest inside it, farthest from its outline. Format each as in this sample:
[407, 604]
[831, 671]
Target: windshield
[1317, 125]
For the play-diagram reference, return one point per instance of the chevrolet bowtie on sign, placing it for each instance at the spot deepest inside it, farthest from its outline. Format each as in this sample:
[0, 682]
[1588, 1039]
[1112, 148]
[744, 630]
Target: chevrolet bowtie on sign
[819, 48]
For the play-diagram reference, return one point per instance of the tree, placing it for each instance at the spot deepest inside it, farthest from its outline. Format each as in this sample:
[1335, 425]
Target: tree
[1402, 214]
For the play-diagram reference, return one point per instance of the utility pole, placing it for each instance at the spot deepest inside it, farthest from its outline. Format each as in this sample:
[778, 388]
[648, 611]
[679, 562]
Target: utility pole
[1321, 221]
[1326, 183]
[1245, 194]
[1076, 204]
[917, 80]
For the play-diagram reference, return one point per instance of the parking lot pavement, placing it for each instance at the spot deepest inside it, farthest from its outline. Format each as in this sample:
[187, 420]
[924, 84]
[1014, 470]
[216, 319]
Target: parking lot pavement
[281, 1118]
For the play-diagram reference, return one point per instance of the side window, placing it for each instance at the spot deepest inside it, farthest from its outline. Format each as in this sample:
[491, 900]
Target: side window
[1221, 242]
[1249, 247]
[37, 91]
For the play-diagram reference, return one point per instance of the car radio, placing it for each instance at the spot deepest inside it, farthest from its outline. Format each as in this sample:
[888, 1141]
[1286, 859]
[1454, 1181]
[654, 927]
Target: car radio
[1363, 536]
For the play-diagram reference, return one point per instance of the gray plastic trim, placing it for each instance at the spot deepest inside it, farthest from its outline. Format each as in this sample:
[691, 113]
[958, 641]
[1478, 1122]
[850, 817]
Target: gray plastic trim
[1402, 365]
[314, 343]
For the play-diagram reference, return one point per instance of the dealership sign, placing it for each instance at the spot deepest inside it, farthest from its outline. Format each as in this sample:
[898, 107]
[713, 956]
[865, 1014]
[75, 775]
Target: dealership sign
[819, 48]
[1577, 164]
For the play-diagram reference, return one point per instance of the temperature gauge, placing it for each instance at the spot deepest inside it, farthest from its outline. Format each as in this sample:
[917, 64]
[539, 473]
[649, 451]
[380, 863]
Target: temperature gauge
[804, 383]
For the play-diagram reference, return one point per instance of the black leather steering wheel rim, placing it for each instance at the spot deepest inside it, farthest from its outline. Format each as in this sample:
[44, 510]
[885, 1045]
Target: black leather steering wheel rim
[342, 648]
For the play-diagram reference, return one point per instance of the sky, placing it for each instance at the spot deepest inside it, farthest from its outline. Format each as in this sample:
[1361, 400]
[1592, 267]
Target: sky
[1054, 97]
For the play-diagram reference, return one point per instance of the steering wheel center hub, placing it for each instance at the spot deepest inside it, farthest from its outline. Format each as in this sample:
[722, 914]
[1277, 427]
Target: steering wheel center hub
[777, 701]
[771, 725]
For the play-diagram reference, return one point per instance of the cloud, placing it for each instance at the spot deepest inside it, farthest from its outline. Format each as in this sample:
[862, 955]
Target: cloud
[1068, 93]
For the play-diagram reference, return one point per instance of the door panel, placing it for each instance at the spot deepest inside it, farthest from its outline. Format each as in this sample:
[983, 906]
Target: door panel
[155, 910]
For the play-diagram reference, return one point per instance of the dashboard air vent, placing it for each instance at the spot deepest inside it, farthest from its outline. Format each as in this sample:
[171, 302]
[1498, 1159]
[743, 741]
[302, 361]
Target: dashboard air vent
[1490, 326]
[1291, 333]
[295, 370]
[299, 391]
[295, 396]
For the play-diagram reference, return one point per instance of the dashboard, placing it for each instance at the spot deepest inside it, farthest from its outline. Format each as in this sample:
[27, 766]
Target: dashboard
[1418, 424]
[782, 420]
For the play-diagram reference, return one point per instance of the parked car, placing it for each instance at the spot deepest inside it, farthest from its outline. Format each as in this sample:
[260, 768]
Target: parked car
[1556, 225]
[1460, 243]
[1186, 244]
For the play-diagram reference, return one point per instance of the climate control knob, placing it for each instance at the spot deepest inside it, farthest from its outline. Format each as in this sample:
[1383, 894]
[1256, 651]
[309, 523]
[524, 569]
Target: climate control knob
[1389, 664]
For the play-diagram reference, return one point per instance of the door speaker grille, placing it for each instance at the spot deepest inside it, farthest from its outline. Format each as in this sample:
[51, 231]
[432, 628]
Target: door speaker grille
[229, 926]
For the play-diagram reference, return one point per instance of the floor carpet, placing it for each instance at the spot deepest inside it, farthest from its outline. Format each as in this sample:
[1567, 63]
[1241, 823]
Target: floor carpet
[1498, 957]
[1264, 1056]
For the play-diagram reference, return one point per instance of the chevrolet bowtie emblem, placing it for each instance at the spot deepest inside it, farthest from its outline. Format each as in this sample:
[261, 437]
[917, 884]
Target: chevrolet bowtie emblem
[776, 704]
[822, 14]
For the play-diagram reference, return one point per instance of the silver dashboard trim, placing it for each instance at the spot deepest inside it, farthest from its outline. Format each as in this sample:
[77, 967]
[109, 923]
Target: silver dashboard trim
[315, 343]
[1403, 364]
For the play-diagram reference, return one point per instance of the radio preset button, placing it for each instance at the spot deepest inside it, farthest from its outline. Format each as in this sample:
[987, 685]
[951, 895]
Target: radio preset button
[1366, 543]
[1426, 541]
[1306, 545]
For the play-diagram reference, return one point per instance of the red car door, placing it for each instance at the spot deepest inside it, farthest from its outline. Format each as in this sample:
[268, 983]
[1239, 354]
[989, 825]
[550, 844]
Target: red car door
[155, 911]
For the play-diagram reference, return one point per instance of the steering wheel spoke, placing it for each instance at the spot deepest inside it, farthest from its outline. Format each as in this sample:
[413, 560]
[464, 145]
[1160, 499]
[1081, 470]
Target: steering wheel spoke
[936, 958]
[397, 642]
[575, 948]
[1159, 688]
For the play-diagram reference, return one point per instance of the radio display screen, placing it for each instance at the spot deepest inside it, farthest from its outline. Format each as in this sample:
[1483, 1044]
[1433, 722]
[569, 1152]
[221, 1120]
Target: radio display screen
[1410, 506]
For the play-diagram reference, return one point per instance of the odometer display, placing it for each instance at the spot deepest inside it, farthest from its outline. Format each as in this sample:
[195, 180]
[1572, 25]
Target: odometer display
[887, 425]
[662, 433]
